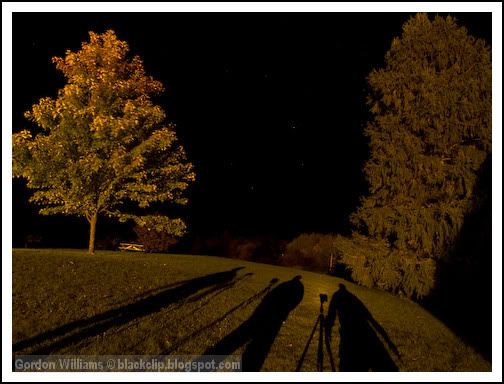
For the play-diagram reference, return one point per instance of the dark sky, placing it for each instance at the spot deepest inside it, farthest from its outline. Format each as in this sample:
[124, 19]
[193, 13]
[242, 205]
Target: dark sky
[270, 108]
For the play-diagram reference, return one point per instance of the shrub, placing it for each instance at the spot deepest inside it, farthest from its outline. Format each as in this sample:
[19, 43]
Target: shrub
[243, 249]
[258, 249]
[33, 240]
[153, 240]
[310, 251]
[108, 242]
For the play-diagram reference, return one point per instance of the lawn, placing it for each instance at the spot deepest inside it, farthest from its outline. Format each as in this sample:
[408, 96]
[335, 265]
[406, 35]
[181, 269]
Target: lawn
[67, 302]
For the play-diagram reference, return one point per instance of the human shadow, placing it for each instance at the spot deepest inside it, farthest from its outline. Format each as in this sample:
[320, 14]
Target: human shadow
[244, 303]
[261, 327]
[360, 349]
[206, 297]
[79, 330]
[212, 292]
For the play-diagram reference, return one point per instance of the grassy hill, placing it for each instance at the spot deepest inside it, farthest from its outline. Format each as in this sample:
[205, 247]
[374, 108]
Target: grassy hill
[66, 302]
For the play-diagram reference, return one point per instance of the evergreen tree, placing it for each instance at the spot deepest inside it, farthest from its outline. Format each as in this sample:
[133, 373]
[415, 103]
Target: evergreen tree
[429, 135]
[103, 143]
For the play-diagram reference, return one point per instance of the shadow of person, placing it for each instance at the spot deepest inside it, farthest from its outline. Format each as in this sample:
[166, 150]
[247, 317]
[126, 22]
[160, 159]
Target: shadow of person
[360, 349]
[76, 331]
[197, 332]
[262, 326]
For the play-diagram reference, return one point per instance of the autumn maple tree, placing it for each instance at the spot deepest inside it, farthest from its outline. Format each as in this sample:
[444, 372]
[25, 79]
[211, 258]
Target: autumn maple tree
[103, 144]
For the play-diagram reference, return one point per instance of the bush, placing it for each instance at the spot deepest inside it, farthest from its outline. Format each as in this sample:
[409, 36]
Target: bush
[310, 251]
[33, 240]
[369, 262]
[243, 249]
[108, 243]
[258, 249]
[153, 240]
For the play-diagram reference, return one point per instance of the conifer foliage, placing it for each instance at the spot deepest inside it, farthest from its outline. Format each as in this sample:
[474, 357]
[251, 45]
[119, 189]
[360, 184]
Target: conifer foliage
[429, 134]
[103, 144]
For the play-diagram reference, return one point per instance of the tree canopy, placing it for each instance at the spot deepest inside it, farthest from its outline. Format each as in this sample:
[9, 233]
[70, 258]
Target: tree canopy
[429, 135]
[103, 145]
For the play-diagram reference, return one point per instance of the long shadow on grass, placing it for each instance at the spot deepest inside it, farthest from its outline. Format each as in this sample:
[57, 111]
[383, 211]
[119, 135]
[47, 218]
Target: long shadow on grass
[360, 349]
[262, 327]
[79, 330]
[324, 340]
[206, 296]
[210, 295]
[243, 304]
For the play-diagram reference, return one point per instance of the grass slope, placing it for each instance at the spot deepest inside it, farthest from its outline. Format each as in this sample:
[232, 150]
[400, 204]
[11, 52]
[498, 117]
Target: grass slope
[142, 312]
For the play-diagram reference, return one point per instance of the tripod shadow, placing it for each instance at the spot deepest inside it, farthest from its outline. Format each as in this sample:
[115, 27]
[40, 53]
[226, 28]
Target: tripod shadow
[79, 330]
[323, 341]
[262, 327]
[360, 348]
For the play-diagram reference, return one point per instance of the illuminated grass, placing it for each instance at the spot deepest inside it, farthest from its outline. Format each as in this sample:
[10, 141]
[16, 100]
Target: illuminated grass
[53, 288]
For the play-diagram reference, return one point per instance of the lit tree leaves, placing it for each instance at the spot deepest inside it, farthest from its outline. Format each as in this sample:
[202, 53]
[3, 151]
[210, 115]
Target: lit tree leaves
[104, 142]
[429, 136]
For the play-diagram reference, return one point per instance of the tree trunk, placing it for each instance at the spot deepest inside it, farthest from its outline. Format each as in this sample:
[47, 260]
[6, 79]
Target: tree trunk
[92, 232]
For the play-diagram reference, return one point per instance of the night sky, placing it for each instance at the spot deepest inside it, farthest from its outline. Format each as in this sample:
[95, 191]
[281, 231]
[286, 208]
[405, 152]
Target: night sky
[270, 108]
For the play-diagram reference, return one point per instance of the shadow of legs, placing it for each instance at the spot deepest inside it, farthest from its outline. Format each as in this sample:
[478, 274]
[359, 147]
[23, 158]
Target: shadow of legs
[262, 326]
[81, 329]
[360, 348]
[244, 303]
